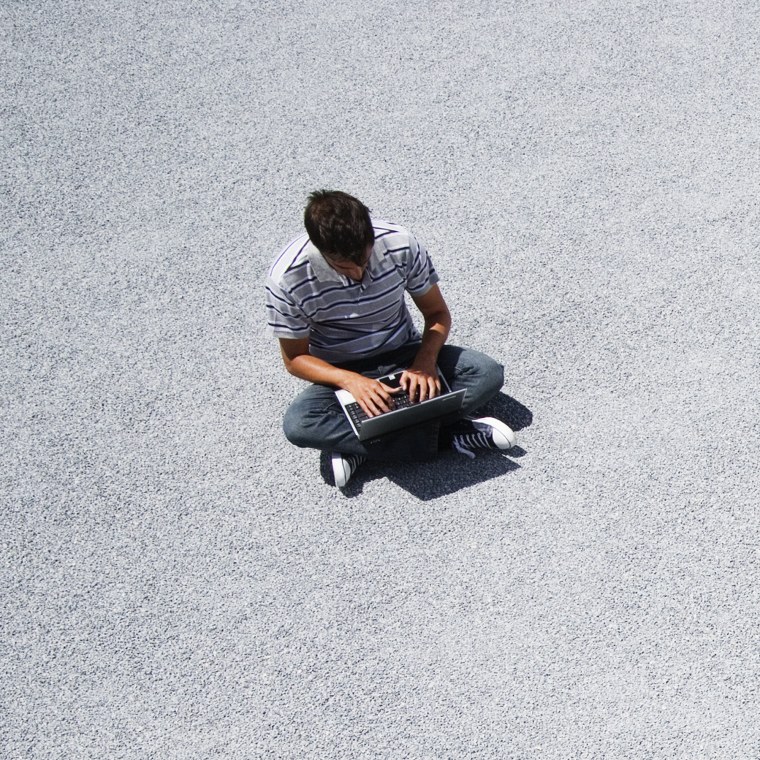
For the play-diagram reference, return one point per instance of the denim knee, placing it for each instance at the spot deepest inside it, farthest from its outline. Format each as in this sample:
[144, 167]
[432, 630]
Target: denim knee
[483, 378]
[294, 428]
[493, 377]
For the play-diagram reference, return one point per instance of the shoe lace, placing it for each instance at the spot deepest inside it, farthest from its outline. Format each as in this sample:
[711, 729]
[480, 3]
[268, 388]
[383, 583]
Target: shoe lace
[465, 443]
[353, 461]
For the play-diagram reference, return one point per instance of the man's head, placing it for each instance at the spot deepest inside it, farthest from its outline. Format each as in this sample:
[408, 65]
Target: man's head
[340, 227]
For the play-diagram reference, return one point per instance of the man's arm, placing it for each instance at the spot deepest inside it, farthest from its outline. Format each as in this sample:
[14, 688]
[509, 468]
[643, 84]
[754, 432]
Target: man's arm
[374, 397]
[421, 379]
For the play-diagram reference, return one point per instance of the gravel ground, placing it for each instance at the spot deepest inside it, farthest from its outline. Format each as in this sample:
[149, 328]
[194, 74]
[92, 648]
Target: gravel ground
[179, 582]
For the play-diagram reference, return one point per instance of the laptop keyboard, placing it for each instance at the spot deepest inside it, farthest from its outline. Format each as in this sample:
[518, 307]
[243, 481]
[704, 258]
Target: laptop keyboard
[358, 415]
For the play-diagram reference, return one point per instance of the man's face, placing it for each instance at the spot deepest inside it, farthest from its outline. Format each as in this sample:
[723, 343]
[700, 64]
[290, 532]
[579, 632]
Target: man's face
[350, 269]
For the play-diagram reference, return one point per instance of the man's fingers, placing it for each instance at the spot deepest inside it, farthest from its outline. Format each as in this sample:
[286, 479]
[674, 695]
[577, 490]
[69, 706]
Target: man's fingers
[372, 406]
[421, 387]
[429, 388]
[369, 409]
[410, 386]
[378, 399]
[386, 393]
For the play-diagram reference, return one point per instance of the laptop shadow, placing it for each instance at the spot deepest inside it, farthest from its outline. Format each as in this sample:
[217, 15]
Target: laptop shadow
[451, 472]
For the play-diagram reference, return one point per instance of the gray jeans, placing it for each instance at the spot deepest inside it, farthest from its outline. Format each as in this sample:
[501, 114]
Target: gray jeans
[316, 420]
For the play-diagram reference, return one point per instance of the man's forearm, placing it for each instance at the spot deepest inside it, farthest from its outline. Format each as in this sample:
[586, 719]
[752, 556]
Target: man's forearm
[433, 339]
[316, 370]
[372, 395]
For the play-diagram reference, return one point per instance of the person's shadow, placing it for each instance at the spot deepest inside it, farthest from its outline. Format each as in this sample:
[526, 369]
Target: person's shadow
[451, 472]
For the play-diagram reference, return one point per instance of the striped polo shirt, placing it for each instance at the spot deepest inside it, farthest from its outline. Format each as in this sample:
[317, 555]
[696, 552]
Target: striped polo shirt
[343, 319]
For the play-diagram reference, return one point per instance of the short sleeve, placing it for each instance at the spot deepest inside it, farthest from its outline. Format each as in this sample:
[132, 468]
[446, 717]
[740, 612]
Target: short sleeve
[421, 274]
[284, 318]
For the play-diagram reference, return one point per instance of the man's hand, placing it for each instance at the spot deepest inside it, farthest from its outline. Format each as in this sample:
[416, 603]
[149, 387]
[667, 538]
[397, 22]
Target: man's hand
[421, 383]
[372, 395]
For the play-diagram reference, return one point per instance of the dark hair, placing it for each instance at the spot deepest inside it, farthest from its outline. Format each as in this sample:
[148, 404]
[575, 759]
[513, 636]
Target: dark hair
[339, 225]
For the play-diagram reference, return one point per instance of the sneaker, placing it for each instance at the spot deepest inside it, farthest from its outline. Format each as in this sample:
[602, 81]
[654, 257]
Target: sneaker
[344, 466]
[483, 433]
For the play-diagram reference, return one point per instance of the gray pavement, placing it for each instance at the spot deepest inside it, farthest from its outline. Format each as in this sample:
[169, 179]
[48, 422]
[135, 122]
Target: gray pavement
[179, 582]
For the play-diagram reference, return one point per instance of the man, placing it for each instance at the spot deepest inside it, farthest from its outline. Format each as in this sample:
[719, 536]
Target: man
[335, 301]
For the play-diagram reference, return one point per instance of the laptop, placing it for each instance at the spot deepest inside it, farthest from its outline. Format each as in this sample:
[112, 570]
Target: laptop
[404, 413]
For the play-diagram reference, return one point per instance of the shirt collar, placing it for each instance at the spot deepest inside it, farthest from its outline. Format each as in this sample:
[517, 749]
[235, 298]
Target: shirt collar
[321, 268]
[324, 272]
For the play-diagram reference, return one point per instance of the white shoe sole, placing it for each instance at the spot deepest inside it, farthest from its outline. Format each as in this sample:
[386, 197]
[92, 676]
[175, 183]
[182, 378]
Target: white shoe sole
[503, 435]
[341, 470]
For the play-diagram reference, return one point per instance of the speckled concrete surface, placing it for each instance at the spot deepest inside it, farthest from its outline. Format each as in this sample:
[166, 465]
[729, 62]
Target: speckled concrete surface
[179, 582]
